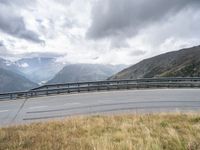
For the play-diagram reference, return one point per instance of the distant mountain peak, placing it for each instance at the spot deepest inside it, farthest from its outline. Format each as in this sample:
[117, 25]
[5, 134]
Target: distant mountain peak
[85, 72]
[39, 69]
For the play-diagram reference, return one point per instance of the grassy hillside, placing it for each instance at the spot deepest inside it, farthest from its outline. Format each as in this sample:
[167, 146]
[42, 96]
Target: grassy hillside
[182, 63]
[123, 132]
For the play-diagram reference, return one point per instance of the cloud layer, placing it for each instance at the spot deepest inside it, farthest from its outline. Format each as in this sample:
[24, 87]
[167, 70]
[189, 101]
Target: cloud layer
[126, 18]
[97, 31]
[13, 24]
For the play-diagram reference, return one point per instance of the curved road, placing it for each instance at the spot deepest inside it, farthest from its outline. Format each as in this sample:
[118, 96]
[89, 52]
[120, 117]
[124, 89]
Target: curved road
[137, 101]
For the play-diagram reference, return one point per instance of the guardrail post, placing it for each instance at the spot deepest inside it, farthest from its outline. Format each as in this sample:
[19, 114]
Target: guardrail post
[47, 90]
[78, 87]
[68, 91]
[58, 92]
[11, 96]
[98, 86]
[108, 86]
[117, 85]
[191, 85]
[88, 87]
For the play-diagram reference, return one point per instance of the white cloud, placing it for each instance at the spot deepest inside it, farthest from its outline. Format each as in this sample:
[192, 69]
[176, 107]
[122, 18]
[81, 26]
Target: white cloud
[64, 24]
[23, 65]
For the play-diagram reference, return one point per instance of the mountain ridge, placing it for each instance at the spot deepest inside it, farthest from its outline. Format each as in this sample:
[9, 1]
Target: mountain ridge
[11, 81]
[180, 63]
[85, 72]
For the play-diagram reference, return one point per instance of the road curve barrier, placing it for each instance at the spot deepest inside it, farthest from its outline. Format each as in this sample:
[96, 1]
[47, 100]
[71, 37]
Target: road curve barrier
[76, 87]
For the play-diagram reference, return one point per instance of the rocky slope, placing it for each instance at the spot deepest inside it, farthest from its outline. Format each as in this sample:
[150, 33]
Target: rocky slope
[182, 63]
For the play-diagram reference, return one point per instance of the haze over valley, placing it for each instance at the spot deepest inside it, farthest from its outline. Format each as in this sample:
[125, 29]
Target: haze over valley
[32, 72]
[28, 73]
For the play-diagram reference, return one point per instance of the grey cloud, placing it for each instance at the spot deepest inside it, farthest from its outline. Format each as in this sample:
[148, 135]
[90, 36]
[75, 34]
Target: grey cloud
[119, 42]
[14, 25]
[137, 52]
[19, 3]
[41, 54]
[3, 50]
[64, 2]
[1, 44]
[125, 18]
[69, 23]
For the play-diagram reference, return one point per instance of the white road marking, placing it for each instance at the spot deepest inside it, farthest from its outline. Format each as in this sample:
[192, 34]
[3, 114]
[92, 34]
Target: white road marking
[106, 101]
[1, 111]
[72, 103]
[36, 107]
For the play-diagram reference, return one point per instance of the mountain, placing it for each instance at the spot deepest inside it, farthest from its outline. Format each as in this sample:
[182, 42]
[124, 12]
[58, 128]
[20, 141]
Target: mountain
[182, 63]
[11, 81]
[85, 72]
[39, 69]
[8, 65]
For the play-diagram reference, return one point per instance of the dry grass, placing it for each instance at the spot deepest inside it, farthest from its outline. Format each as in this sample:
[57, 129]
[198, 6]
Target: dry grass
[122, 132]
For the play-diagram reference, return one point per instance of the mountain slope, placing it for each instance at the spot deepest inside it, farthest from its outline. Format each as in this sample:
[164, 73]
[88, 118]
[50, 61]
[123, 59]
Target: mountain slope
[85, 72]
[182, 63]
[11, 81]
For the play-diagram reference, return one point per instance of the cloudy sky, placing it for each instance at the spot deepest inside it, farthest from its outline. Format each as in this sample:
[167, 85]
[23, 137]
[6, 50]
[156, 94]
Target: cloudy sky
[97, 31]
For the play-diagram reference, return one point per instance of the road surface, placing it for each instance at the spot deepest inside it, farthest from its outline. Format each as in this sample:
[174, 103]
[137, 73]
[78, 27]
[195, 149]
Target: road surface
[136, 101]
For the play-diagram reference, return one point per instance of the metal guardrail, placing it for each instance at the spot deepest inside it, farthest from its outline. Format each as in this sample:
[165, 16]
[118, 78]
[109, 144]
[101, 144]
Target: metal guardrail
[178, 79]
[52, 89]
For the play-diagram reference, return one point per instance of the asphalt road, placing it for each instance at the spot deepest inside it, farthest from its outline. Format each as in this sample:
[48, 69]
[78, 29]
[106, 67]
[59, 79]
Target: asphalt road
[134, 101]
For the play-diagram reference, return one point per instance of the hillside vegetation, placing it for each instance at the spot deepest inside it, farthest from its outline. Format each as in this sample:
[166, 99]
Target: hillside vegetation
[182, 63]
[123, 132]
